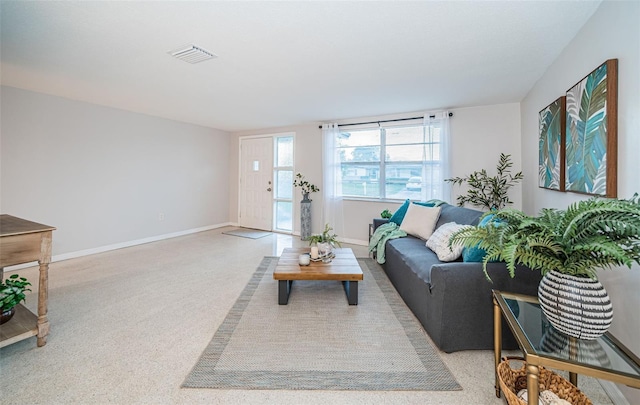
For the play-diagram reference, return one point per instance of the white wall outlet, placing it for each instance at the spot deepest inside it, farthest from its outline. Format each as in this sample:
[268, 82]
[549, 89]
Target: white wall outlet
[161, 216]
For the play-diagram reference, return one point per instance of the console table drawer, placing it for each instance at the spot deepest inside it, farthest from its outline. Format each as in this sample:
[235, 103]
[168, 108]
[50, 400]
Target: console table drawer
[18, 249]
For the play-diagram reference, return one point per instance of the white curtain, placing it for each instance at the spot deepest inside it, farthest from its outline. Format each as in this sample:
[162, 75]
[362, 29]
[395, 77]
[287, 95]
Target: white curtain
[332, 211]
[440, 121]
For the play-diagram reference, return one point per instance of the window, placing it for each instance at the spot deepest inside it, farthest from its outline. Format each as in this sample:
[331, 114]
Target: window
[392, 163]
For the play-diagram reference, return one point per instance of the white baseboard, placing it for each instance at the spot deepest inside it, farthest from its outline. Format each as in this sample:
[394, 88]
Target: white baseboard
[101, 249]
[354, 241]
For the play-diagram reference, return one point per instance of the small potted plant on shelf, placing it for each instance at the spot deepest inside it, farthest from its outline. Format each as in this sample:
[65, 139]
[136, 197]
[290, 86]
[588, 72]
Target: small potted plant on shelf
[568, 247]
[325, 242]
[305, 186]
[12, 292]
[486, 191]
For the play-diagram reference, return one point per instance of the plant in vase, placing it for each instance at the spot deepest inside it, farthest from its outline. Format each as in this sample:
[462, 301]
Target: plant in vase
[12, 292]
[568, 247]
[486, 191]
[325, 242]
[305, 186]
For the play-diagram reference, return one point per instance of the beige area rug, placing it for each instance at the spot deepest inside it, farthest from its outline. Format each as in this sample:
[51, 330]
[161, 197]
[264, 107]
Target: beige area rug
[319, 342]
[247, 233]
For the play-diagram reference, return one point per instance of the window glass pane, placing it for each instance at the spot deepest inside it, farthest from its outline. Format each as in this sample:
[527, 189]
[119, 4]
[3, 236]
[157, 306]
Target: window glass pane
[434, 135]
[403, 181]
[284, 221]
[359, 138]
[360, 180]
[284, 151]
[405, 135]
[360, 154]
[405, 153]
[284, 184]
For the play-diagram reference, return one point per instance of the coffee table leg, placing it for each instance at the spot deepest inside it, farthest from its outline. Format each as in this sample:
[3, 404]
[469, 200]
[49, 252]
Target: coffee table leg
[284, 288]
[351, 288]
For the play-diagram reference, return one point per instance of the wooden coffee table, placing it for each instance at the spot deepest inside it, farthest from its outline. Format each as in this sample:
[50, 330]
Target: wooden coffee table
[344, 267]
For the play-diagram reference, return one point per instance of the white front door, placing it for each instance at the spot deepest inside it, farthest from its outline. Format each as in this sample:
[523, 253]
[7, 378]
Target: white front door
[256, 183]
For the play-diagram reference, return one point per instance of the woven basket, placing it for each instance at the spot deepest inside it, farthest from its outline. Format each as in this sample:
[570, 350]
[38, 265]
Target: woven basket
[548, 380]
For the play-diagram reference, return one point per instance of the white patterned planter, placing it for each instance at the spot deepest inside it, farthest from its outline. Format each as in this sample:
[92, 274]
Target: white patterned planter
[577, 306]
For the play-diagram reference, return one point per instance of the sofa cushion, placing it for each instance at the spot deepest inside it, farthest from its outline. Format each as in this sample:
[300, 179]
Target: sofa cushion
[420, 221]
[459, 215]
[414, 256]
[439, 242]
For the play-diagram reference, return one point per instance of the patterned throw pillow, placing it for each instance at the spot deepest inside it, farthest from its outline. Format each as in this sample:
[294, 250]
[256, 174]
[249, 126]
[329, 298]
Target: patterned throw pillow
[439, 242]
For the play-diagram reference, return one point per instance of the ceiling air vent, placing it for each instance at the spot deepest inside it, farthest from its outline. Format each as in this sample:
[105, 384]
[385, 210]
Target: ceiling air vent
[192, 54]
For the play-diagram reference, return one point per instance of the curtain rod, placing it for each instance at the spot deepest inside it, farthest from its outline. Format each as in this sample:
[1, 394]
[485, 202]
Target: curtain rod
[379, 122]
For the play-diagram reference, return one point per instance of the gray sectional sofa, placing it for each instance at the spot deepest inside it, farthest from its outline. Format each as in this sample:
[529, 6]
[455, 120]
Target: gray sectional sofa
[452, 300]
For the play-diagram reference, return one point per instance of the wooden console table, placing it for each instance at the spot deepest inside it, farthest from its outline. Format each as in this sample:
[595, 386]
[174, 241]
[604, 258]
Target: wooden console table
[23, 241]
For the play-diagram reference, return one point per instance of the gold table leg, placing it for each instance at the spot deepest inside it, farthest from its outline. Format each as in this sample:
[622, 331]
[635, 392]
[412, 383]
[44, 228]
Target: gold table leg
[497, 343]
[532, 384]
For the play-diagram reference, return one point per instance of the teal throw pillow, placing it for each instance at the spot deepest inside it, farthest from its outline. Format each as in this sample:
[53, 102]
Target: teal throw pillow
[398, 216]
[425, 203]
[476, 254]
[473, 254]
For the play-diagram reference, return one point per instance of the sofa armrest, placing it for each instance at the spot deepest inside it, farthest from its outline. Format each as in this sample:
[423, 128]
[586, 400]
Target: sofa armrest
[379, 221]
[462, 301]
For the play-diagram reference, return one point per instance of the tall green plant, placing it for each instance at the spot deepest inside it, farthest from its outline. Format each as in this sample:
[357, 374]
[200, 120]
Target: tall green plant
[491, 192]
[589, 235]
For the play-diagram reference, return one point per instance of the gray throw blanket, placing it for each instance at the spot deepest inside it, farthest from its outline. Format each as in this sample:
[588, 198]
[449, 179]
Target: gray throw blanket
[380, 237]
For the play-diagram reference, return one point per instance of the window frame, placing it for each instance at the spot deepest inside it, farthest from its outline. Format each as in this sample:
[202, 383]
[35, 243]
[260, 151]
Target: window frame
[427, 144]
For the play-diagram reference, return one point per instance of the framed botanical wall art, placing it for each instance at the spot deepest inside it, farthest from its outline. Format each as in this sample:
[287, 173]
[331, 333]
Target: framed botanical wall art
[592, 133]
[551, 145]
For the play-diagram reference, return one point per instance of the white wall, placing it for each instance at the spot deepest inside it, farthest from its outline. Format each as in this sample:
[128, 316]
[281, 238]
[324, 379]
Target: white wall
[612, 32]
[102, 175]
[479, 134]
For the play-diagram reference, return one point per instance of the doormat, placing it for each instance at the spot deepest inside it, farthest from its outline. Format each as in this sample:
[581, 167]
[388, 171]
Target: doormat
[247, 233]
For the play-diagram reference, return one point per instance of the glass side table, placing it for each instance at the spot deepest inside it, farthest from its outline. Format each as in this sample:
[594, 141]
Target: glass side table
[605, 358]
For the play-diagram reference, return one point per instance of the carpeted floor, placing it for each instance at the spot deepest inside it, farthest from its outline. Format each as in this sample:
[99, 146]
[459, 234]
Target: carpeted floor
[319, 342]
[128, 325]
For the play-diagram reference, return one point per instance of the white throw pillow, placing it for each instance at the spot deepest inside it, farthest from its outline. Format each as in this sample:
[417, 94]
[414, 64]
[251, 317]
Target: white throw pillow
[439, 242]
[420, 221]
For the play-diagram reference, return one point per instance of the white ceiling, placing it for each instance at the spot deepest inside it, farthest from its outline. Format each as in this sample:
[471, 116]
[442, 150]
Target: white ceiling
[285, 63]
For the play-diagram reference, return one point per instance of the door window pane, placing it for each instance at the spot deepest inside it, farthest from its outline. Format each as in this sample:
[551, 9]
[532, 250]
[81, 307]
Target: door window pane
[284, 181]
[284, 151]
[284, 220]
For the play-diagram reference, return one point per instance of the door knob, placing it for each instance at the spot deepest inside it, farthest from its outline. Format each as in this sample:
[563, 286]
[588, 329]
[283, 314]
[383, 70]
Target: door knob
[269, 189]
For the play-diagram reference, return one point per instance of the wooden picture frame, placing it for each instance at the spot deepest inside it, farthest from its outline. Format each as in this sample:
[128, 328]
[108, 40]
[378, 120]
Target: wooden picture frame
[551, 145]
[591, 145]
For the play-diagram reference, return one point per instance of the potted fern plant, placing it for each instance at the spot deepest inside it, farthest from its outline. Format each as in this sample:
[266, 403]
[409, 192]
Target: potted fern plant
[568, 247]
